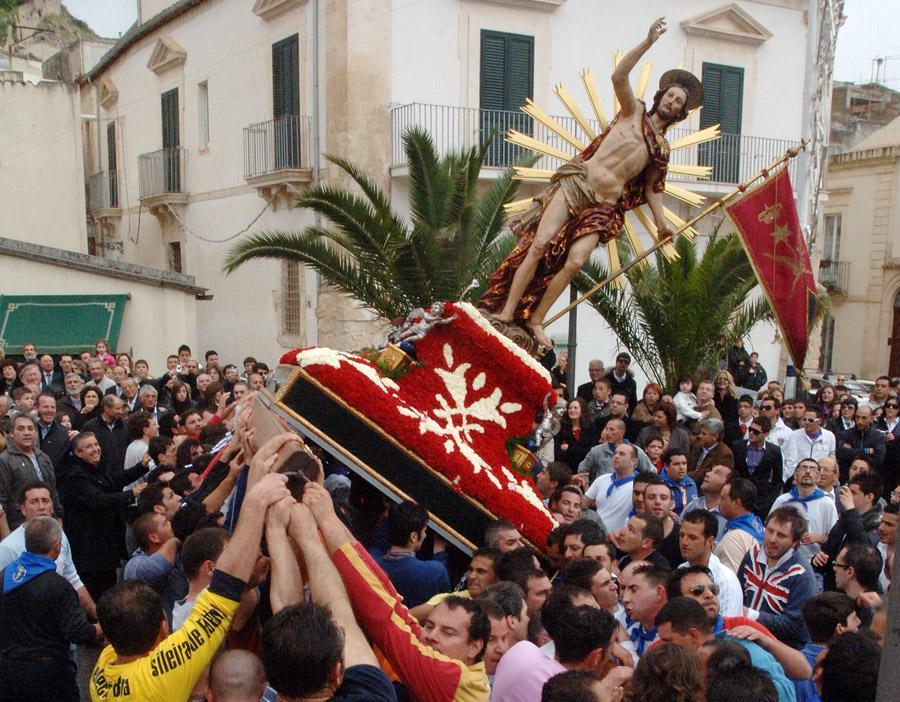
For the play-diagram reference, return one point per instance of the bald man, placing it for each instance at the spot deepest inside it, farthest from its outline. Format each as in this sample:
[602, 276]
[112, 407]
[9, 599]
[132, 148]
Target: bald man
[236, 676]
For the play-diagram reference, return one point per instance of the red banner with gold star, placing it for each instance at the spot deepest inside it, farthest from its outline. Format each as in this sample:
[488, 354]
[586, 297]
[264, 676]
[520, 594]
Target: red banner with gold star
[766, 218]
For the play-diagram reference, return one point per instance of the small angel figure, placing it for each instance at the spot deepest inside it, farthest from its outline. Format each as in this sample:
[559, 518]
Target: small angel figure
[419, 322]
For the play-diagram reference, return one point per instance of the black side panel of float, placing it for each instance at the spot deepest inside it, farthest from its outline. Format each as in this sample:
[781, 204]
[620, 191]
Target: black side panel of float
[392, 465]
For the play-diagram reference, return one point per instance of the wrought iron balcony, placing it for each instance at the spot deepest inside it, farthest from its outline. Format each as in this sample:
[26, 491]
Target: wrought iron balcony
[733, 157]
[103, 189]
[161, 173]
[280, 144]
[835, 276]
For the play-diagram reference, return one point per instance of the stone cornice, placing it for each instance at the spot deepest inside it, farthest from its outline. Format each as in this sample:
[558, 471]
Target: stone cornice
[73, 260]
[715, 23]
[885, 154]
[540, 5]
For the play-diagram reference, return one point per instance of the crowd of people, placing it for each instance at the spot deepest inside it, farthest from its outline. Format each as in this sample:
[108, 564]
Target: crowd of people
[712, 545]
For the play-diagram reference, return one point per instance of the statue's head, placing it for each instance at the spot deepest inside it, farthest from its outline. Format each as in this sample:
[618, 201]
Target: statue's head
[679, 93]
[437, 309]
[670, 104]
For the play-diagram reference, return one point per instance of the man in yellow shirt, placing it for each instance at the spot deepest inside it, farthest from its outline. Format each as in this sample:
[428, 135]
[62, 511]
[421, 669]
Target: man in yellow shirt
[143, 661]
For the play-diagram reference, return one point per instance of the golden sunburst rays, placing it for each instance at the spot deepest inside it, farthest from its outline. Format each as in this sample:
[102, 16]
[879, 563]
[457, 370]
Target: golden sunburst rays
[563, 142]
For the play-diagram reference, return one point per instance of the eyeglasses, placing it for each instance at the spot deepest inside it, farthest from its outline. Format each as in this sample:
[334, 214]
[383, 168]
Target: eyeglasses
[808, 468]
[697, 590]
[754, 430]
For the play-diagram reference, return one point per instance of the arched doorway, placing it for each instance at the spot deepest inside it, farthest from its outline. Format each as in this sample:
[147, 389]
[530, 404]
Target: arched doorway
[894, 365]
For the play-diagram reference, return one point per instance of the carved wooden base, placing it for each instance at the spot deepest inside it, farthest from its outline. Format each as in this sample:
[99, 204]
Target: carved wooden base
[516, 333]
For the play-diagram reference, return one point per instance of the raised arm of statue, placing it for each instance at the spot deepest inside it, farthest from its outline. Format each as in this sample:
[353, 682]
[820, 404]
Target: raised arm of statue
[620, 81]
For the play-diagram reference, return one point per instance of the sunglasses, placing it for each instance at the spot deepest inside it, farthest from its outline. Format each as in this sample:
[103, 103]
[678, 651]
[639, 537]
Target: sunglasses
[697, 590]
[767, 408]
[843, 566]
[754, 431]
[891, 406]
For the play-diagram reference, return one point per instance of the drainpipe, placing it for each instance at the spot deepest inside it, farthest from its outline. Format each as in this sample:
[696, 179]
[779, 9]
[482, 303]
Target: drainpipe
[97, 106]
[312, 292]
[807, 128]
[315, 98]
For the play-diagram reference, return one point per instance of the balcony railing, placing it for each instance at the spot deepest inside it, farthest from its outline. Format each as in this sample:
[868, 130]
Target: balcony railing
[835, 276]
[734, 157]
[161, 172]
[103, 189]
[276, 145]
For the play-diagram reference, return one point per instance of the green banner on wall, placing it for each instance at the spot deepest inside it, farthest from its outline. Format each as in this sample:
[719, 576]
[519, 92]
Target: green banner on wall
[60, 323]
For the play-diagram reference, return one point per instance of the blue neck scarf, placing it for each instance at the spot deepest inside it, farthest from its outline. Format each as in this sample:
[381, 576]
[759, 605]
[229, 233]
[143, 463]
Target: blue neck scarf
[618, 483]
[720, 624]
[666, 478]
[25, 568]
[795, 496]
[641, 638]
[747, 522]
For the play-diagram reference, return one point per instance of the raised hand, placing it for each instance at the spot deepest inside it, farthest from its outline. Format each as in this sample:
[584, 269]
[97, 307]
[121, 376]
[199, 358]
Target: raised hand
[266, 456]
[279, 514]
[269, 490]
[657, 29]
[319, 502]
[303, 523]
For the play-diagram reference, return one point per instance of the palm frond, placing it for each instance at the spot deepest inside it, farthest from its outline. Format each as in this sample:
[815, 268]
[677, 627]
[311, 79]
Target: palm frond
[377, 197]
[427, 178]
[356, 220]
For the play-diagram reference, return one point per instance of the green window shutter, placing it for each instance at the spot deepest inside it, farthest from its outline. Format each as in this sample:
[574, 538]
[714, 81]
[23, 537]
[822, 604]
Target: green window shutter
[171, 140]
[286, 77]
[507, 70]
[507, 79]
[170, 136]
[111, 146]
[493, 71]
[112, 177]
[723, 88]
[520, 70]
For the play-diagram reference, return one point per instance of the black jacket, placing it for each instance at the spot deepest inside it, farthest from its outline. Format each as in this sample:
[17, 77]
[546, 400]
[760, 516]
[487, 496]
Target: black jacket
[766, 478]
[850, 528]
[578, 448]
[627, 387]
[94, 504]
[40, 618]
[632, 429]
[586, 391]
[890, 469]
[55, 444]
[113, 443]
[854, 443]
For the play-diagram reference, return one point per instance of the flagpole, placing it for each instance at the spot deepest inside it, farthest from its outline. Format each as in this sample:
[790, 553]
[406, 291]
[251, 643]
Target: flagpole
[764, 173]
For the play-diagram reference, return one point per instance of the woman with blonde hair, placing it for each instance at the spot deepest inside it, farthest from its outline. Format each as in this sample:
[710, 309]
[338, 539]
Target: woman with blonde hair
[726, 397]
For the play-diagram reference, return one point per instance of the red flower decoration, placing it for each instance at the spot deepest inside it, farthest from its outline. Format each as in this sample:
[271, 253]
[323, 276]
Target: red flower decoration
[472, 391]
